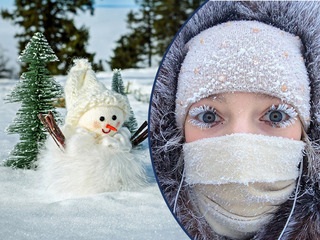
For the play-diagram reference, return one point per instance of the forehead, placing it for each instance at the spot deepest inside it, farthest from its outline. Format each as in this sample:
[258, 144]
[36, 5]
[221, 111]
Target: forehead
[238, 96]
[239, 99]
[105, 110]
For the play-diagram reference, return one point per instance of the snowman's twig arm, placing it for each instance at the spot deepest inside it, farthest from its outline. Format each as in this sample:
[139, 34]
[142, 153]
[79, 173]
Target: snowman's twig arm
[145, 124]
[139, 137]
[44, 123]
[53, 129]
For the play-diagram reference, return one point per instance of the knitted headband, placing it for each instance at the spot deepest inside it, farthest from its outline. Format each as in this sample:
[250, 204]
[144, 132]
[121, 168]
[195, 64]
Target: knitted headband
[244, 56]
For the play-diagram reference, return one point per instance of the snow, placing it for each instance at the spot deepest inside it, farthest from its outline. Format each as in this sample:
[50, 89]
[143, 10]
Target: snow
[28, 212]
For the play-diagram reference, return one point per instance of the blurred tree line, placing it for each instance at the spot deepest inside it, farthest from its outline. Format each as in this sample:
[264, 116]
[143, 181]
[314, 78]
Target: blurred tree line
[54, 19]
[5, 71]
[152, 28]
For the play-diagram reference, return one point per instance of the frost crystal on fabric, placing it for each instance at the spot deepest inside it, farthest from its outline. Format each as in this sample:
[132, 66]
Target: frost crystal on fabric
[242, 158]
[244, 56]
[239, 180]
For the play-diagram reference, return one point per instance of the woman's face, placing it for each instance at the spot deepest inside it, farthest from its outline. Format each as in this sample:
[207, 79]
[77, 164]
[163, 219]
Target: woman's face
[228, 113]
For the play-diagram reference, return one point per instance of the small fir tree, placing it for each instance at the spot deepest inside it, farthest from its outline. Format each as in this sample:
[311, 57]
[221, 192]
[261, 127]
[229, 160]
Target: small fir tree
[117, 86]
[117, 83]
[36, 92]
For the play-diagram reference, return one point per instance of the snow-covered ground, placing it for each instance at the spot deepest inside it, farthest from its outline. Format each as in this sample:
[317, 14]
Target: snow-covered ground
[28, 212]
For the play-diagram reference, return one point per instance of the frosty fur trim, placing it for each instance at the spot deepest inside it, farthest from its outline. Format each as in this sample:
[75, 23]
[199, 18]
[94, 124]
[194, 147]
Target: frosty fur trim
[242, 158]
[296, 17]
[83, 91]
[244, 56]
[312, 151]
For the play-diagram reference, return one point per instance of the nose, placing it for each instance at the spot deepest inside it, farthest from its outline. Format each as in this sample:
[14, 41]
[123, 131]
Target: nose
[110, 127]
[242, 124]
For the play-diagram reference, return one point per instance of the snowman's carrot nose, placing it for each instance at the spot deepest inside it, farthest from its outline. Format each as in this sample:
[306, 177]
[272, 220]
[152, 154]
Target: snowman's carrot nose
[110, 127]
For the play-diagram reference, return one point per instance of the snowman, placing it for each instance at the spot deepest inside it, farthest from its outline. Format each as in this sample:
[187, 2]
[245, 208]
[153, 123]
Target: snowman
[97, 156]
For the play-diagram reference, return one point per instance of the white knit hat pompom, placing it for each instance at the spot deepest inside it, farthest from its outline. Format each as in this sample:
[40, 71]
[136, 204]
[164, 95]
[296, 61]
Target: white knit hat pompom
[84, 92]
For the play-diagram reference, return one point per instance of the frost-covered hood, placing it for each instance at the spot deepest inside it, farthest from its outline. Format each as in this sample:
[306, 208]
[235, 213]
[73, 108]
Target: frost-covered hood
[298, 18]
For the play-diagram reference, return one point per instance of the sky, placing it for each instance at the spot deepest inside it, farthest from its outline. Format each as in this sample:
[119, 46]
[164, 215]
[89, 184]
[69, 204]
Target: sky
[105, 27]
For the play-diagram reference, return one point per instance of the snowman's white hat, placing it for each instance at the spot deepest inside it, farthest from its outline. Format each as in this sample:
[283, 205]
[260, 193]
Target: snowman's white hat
[84, 92]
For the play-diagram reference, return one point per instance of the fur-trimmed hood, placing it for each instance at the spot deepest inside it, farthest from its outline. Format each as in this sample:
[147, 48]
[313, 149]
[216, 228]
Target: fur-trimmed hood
[298, 18]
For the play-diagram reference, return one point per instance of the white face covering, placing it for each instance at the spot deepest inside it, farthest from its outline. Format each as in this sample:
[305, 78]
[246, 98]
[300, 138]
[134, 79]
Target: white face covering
[239, 180]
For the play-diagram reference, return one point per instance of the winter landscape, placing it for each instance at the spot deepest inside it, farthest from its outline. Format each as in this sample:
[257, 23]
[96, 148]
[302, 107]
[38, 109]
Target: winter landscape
[28, 212]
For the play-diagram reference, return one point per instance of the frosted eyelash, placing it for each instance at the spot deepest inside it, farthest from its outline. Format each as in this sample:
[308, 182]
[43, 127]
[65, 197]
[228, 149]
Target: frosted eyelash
[199, 124]
[196, 111]
[288, 110]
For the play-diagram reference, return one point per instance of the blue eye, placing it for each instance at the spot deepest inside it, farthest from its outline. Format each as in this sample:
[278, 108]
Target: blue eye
[280, 116]
[204, 117]
[276, 116]
[207, 117]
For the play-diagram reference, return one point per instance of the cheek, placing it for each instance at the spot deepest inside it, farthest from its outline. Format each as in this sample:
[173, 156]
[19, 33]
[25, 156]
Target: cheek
[193, 133]
[118, 124]
[296, 135]
[96, 124]
[296, 131]
[190, 134]
[293, 132]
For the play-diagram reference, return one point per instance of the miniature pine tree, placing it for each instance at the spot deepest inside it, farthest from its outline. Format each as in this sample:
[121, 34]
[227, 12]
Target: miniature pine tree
[36, 91]
[117, 86]
[117, 83]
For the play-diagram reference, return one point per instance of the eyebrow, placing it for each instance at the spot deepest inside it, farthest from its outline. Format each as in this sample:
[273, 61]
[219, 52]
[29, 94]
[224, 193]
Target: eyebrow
[265, 96]
[220, 97]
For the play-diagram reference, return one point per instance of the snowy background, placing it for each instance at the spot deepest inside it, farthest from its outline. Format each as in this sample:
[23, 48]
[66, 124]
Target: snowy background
[28, 212]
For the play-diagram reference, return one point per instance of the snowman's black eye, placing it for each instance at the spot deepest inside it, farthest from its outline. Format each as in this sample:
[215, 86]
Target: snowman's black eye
[114, 117]
[102, 118]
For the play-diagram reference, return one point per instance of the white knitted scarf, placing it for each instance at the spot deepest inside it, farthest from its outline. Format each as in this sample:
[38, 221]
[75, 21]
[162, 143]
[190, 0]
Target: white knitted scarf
[239, 180]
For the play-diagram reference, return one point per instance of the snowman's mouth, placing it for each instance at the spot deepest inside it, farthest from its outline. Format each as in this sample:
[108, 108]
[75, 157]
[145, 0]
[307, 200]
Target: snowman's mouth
[107, 131]
[109, 128]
